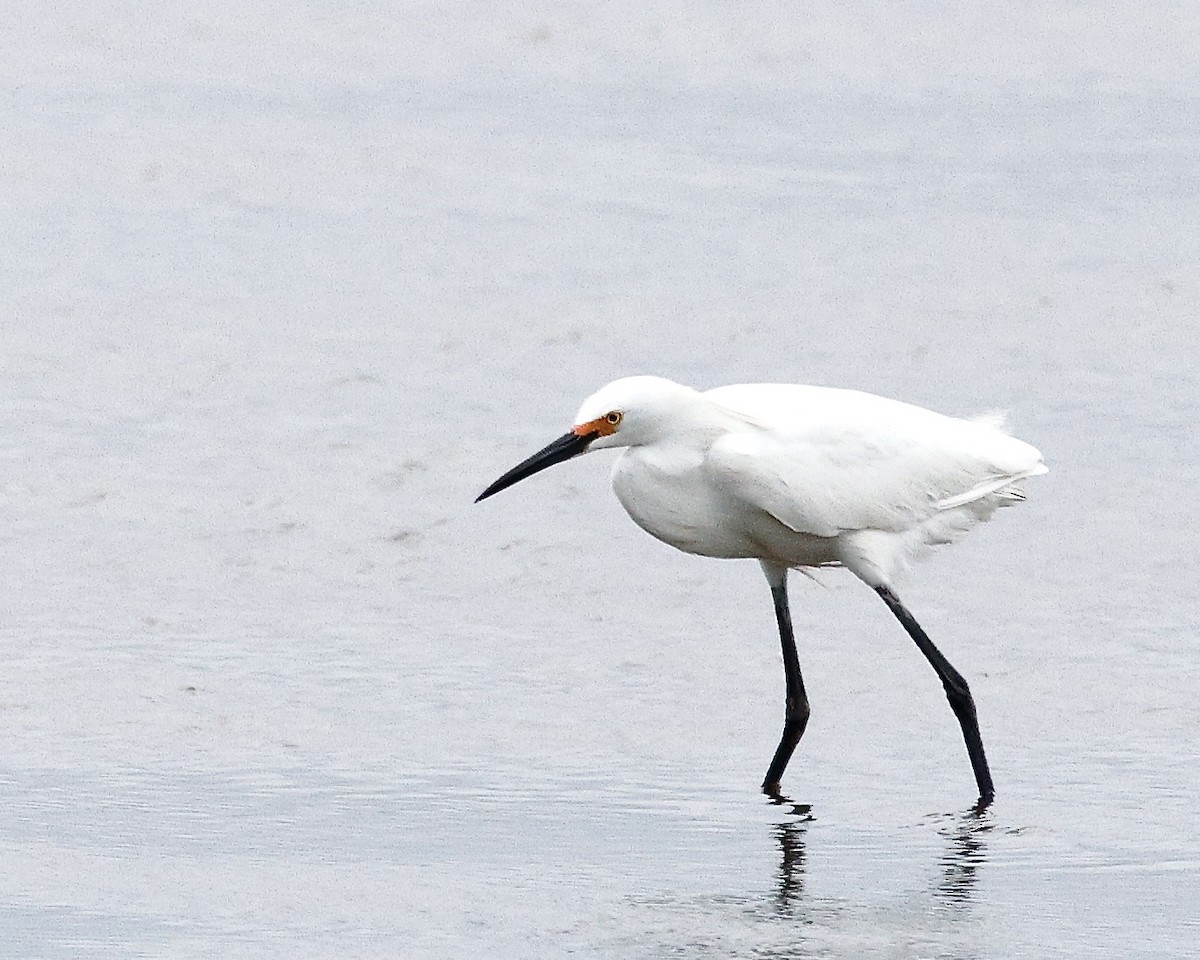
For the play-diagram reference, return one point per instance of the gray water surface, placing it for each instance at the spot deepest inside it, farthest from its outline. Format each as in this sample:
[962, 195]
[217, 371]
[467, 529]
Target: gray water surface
[282, 288]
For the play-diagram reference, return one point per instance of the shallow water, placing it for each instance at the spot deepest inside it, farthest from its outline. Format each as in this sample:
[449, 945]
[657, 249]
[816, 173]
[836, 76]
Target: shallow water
[283, 289]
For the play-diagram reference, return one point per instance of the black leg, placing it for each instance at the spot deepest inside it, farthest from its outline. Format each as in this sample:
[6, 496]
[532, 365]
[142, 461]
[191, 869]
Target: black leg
[796, 716]
[957, 692]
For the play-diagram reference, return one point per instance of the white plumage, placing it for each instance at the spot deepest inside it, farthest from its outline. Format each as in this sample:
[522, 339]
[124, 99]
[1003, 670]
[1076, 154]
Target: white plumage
[801, 476]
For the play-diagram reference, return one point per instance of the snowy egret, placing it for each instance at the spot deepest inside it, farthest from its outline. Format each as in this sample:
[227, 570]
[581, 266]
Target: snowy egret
[800, 476]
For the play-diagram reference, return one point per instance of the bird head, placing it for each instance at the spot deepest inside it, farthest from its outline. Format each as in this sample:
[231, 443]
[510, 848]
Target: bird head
[623, 413]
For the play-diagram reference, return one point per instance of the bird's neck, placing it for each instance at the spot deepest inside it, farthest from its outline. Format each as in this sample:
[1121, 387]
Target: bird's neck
[694, 425]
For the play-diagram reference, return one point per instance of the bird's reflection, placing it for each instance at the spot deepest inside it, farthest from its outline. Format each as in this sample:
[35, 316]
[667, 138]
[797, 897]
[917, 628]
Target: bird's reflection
[792, 857]
[793, 853]
[962, 858]
[965, 854]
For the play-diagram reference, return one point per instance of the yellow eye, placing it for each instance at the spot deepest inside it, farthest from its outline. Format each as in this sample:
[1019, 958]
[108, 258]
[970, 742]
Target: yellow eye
[614, 417]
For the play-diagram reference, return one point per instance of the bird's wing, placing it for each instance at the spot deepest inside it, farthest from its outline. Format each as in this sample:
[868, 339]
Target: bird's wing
[824, 462]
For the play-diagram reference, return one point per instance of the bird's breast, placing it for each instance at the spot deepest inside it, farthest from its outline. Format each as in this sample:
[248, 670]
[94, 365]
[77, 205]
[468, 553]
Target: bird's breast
[669, 496]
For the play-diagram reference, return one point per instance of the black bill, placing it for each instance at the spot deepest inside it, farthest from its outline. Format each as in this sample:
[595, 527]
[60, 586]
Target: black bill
[564, 448]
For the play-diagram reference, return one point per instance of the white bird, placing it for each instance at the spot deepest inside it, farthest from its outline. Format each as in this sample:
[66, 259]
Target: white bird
[798, 477]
